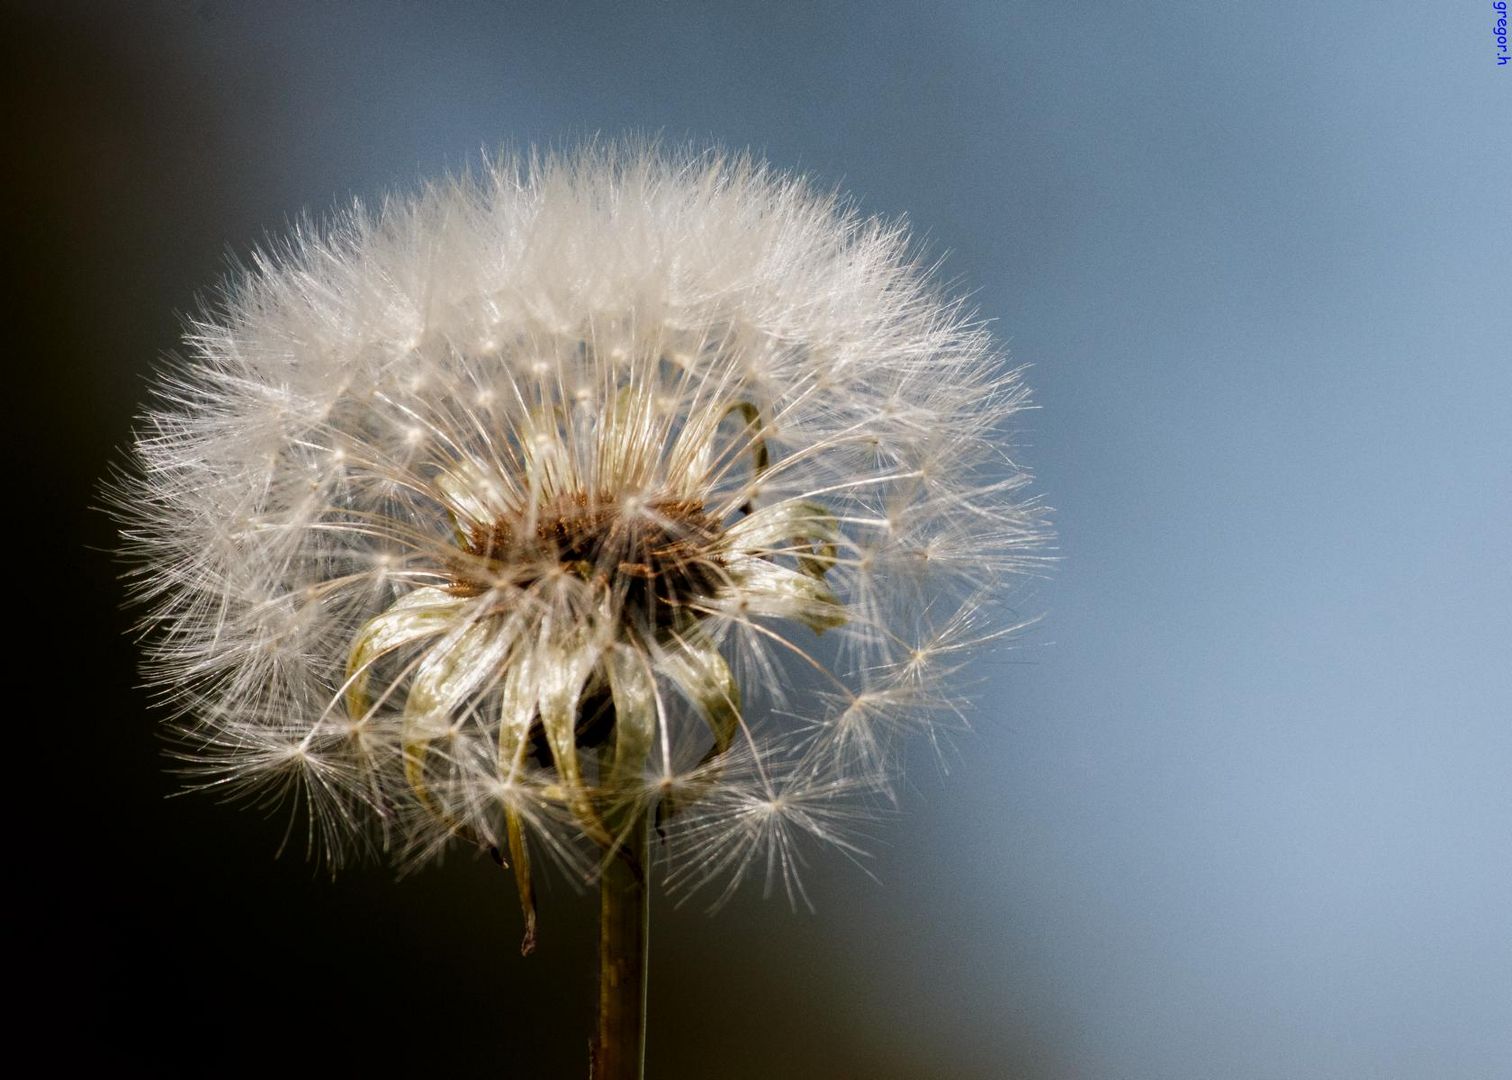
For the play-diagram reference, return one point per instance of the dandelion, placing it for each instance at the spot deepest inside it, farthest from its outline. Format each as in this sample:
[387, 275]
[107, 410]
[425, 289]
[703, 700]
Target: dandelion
[593, 496]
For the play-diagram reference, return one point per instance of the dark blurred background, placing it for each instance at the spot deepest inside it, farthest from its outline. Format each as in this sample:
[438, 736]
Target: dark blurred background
[1239, 809]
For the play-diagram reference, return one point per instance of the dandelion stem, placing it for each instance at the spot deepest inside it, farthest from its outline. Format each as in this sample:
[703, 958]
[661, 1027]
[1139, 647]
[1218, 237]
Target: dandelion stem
[624, 920]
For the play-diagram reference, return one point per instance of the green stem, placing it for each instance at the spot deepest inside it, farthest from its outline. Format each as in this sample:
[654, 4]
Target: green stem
[624, 922]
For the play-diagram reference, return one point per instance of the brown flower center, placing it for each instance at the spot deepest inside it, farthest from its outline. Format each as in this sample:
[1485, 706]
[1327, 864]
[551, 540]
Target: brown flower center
[660, 556]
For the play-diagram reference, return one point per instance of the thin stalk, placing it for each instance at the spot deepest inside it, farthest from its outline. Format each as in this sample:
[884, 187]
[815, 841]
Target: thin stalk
[624, 922]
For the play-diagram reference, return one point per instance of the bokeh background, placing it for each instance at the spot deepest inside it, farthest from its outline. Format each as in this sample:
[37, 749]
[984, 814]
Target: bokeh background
[1240, 808]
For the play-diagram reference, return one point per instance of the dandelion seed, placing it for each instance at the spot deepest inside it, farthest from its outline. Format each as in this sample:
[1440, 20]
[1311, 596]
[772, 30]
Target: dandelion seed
[591, 492]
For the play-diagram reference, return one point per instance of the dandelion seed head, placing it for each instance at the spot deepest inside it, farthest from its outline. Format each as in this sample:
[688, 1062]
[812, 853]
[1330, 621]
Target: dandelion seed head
[621, 476]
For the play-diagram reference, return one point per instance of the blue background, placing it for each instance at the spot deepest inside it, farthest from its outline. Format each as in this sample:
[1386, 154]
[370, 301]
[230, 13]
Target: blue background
[1241, 807]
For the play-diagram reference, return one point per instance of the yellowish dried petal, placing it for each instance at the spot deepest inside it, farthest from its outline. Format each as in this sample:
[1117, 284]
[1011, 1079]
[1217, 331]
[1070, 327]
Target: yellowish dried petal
[766, 589]
[424, 613]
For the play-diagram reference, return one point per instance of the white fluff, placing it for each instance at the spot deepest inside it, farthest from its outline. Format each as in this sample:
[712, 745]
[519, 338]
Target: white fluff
[423, 496]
